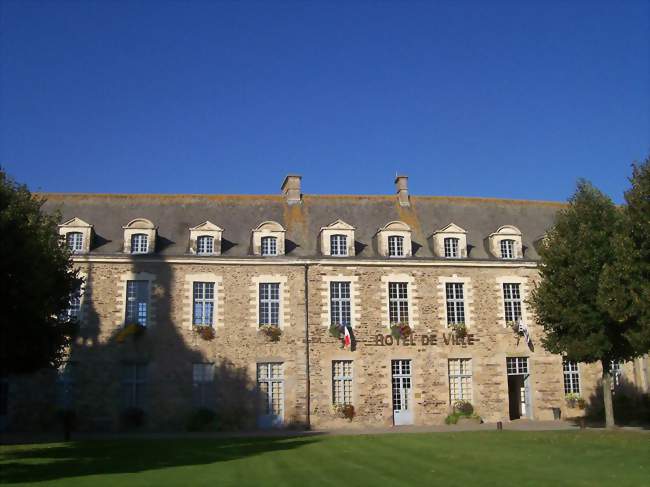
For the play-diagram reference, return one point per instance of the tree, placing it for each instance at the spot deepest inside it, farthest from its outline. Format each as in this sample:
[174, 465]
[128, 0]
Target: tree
[36, 282]
[566, 301]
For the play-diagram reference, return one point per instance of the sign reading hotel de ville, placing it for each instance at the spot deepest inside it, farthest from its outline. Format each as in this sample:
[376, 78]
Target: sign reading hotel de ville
[424, 340]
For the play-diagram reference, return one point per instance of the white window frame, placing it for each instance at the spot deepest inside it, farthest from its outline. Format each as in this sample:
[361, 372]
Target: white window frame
[507, 247]
[455, 302]
[202, 382]
[451, 247]
[137, 246]
[398, 303]
[267, 302]
[339, 245]
[396, 246]
[342, 382]
[571, 376]
[341, 303]
[134, 383]
[512, 306]
[269, 246]
[460, 379]
[137, 298]
[205, 245]
[203, 296]
[270, 378]
[75, 242]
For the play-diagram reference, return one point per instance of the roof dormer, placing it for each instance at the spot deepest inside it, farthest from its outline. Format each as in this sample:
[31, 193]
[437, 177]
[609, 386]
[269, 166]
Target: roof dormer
[140, 236]
[450, 242]
[337, 239]
[268, 239]
[394, 240]
[506, 243]
[205, 239]
[77, 235]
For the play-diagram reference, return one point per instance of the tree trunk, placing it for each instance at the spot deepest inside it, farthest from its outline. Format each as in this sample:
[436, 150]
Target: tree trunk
[607, 394]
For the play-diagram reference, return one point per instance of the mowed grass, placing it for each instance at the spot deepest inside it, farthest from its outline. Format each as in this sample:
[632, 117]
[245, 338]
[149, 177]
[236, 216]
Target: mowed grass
[580, 458]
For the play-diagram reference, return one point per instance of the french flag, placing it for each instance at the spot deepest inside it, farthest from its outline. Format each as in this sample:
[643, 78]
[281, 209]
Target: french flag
[347, 339]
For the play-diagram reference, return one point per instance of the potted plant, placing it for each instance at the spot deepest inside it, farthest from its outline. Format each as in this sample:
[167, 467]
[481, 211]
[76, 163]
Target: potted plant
[337, 331]
[400, 330]
[344, 411]
[463, 412]
[515, 327]
[135, 330]
[459, 329]
[272, 332]
[574, 400]
[205, 332]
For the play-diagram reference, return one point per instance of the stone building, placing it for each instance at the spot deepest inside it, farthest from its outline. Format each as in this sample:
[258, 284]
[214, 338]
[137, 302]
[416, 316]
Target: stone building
[239, 296]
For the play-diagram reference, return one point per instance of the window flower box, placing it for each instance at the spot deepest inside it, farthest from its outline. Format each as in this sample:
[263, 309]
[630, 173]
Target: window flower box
[459, 329]
[272, 332]
[345, 411]
[400, 330]
[574, 400]
[134, 330]
[205, 332]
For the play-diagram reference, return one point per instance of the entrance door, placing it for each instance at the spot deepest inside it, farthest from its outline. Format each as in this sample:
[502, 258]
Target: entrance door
[402, 410]
[270, 381]
[518, 388]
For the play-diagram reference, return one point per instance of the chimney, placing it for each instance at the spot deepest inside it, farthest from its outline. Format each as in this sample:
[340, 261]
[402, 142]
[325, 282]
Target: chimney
[401, 185]
[291, 189]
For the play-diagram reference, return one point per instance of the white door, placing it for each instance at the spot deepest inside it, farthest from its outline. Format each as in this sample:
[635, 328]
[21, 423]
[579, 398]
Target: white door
[402, 409]
[270, 381]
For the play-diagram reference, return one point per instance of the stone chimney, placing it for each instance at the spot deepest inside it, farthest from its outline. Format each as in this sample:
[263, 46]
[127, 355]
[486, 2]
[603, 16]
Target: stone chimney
[402, 188]
[291, 189]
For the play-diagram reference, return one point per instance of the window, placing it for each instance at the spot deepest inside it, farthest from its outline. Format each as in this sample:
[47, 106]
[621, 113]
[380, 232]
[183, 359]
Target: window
[615, 369]
[75, 241]
[571, 377]
[65, 385]
[460, 379]
[203, 309]
[269, 246]
[137, 302]
[338, 245]
[455, 303]
[398, 305]
[395, 246]
[74, 307]
[270, 381]
[451, 247]
[517, 365]
[202, 384]
[139, 243]
[340, 303]
[205, 245]
[269, 303]
[507, 249]
[342, 382]
[512, 302]
[133, 385]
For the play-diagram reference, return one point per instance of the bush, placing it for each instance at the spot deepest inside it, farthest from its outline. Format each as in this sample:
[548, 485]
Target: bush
[336, 331]
[464, 408]
[273, 332]
[132, 418]
[201, 420]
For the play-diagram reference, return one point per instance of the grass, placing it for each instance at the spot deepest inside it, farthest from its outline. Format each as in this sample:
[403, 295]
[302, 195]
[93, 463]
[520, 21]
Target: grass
[569, 458]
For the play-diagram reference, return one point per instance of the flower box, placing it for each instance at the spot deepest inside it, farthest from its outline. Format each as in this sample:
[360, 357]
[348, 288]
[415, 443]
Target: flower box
[400, 330]
[272, 332]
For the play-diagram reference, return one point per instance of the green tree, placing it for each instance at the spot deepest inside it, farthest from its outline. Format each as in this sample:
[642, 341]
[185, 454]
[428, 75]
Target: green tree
[574, 254]
[36, 281]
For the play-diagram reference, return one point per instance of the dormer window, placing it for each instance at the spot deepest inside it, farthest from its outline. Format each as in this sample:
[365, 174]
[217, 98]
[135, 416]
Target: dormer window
[506, 243]
[205, 245]
[269, 246]
[451, 248]
[75, 241]
[394, 240]
[268, 239]
[507, 249]
[139, 236]
[139, 243]
[395, 246]
[338, 245]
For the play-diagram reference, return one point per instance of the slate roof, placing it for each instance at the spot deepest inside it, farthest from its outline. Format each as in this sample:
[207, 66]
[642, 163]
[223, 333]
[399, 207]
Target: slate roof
[239, 214]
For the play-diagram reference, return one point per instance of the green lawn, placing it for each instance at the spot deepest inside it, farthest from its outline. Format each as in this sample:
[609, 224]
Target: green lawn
[520, 459]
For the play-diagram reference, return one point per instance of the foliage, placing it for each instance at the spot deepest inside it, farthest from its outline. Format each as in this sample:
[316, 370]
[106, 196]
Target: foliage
[461, 409]
[625, 284]
[202, 419]
[132, 418]
[272, 332]
[36, 282]
[336, 331]
[344, 411]
[135, 330]
[400, 330]
[575, 400]
[515, 327]
[459, 329]
[205, 332]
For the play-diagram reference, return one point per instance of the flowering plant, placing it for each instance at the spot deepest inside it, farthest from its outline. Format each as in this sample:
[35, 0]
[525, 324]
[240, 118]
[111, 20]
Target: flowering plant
[337, 331]
[573, 400]
[400, 330]
[205, 332]
[344, 411]
[136, 330]
[273, 332]
[459, 329]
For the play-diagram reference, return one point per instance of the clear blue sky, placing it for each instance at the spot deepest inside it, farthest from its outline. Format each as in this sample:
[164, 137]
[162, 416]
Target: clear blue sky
[506, 99]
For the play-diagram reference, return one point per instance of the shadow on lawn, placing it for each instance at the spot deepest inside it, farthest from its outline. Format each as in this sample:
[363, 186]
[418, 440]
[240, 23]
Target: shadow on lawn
[78, 459]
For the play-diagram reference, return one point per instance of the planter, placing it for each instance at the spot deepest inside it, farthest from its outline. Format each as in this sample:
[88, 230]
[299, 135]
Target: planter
[133, 330]
[400, 330]
[272, 332]
[205, 332]
[459, 329]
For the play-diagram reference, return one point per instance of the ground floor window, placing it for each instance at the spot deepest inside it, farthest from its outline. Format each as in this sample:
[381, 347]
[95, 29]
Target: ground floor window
[270, 380]
[65, 385]
[460, 379]
[133, 385]
[203, 385]
[571, 377]
[342, 382]
[517, 365]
